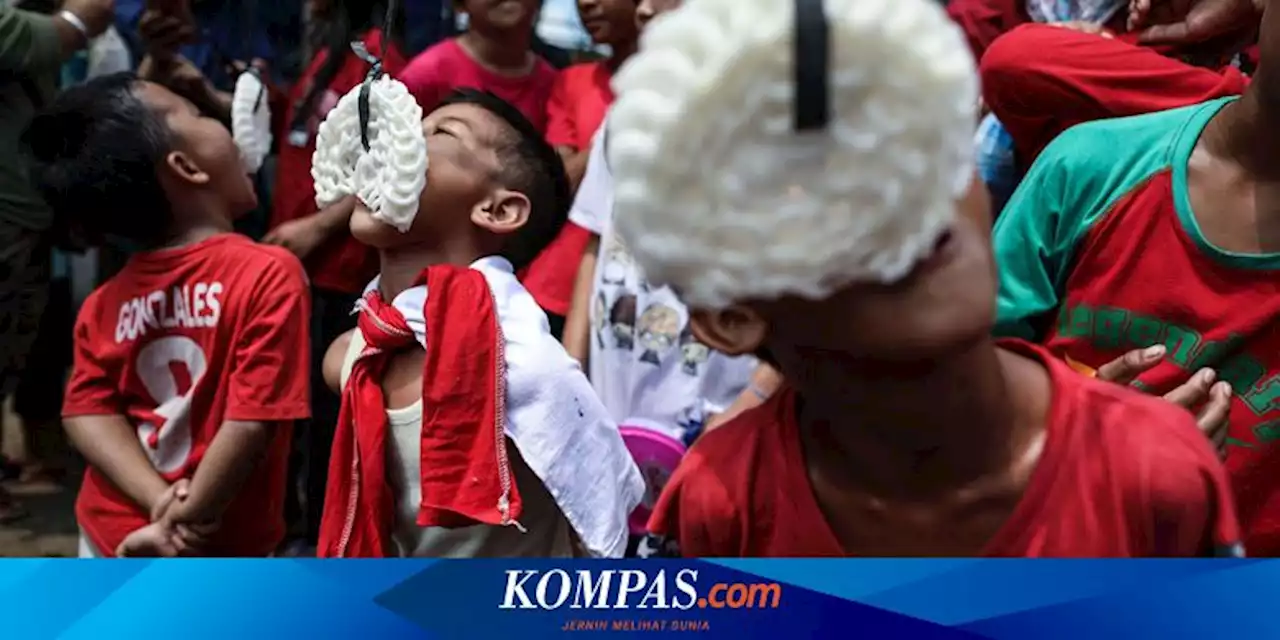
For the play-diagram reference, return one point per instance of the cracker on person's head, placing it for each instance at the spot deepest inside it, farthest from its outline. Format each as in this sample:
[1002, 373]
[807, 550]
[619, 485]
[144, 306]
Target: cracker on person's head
[718, 194]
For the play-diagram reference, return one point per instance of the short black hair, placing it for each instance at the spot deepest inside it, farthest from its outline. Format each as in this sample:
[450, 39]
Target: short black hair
[528, 165]
[93, 156]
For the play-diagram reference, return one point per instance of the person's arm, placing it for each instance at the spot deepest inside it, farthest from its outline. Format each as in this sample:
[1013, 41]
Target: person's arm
[334, 358]
[562, 129]
[304, 235]
[235, 452]
[575, 164]
[1200, 20]
[213, 102]
[109, 443]
[268, 391]
[577, 325]
[93, 416]
[335, 217]
[765, 381]
[183, 78]
[30, 42]
[592, 208]
[1034, 242]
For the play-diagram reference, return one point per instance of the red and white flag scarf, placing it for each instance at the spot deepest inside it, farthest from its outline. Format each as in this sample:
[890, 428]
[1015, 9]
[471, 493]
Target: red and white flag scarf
[466, 476]
[480, 384]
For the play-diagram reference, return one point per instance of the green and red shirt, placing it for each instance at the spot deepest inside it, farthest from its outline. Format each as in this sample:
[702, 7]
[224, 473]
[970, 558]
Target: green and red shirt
[1099, 253]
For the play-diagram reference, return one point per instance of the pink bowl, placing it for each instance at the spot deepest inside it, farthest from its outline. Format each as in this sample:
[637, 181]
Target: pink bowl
[657, 454]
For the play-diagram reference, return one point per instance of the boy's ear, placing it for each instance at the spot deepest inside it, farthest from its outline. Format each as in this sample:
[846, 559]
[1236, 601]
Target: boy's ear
[503, 212]
[735, 331]
[185, 168]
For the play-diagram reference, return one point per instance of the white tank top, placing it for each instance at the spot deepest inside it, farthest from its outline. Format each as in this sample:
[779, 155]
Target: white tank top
[548, 532]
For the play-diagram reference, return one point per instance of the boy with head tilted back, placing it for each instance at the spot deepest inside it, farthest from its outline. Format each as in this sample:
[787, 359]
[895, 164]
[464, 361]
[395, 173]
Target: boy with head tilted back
[808, 188]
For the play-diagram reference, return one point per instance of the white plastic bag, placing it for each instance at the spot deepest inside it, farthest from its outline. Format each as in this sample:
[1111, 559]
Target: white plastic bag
[108, 54]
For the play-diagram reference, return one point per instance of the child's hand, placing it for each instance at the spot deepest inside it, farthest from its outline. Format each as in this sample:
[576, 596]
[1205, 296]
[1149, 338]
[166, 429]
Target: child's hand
[1203, 395]
[155, 540]
[177, 492]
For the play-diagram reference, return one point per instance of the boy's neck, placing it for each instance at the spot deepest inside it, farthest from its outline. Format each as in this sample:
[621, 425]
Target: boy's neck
[1248, 133]
[400, 266]
[620, 54]
[507, 52]
[197, 228]
[927, 432]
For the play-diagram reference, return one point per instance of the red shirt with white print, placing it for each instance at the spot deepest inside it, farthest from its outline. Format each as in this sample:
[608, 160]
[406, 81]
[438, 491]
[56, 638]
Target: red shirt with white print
[1122, 474]
[180, 341]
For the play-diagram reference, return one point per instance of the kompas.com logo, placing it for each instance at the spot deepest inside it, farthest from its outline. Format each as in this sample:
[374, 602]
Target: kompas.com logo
[623, 589]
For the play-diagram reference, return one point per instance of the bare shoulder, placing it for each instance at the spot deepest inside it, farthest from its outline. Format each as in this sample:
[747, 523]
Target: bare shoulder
[333, 359]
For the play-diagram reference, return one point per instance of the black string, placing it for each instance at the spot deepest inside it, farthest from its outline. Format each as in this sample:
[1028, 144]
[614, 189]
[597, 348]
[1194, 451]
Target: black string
[262, 87]
[375, 70]
[812, 59]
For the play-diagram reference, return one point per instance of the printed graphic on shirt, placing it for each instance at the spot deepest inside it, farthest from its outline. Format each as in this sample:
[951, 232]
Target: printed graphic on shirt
[599, 319]
[693, 353]
[1114, 328]
[616, 264]
[645, 363]
[188, 307]
[657, 330]
[622, 320]
[169, 368]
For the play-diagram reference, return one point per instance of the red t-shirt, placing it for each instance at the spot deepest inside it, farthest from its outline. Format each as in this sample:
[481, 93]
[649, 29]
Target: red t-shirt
[580, 98]
[1121, 475]
[186, 339]
[446, 66]
[342, 264]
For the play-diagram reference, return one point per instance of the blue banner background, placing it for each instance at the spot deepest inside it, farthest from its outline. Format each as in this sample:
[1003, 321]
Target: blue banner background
[998, 599]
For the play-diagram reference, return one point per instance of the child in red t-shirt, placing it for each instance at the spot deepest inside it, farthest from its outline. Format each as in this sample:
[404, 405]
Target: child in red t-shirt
[492, 55]
[191, 363]
[579, 99]
[862, 268]
[1164, 242]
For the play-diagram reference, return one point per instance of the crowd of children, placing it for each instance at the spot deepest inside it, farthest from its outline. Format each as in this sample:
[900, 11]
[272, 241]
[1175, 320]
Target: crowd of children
[745, 286]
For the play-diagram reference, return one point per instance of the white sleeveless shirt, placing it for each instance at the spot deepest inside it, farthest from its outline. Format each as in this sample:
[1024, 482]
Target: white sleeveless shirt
[548, 532]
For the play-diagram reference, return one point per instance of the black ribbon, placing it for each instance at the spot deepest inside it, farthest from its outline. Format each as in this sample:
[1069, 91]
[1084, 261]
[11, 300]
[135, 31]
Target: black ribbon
[812, 62]
[262, 87]
[375, 70]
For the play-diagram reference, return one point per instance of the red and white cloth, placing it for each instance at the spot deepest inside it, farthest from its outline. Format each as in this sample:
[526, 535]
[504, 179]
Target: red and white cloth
[492, 371]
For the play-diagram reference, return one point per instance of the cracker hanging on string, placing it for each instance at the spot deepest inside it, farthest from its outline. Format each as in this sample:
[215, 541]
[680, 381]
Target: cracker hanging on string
[251, 119]
[726, 188]
[371, 145]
